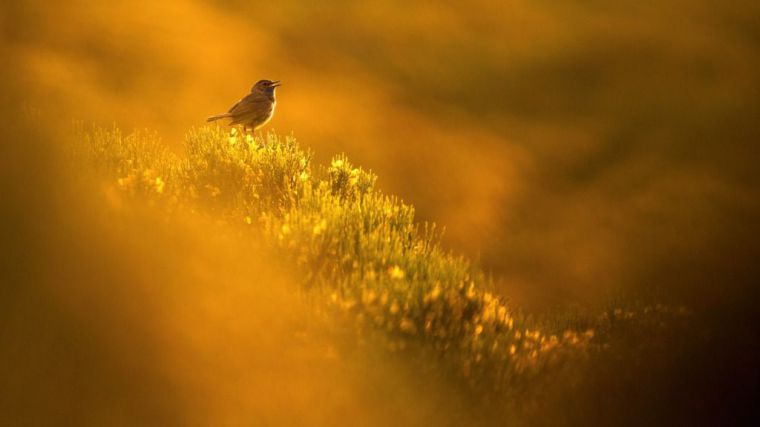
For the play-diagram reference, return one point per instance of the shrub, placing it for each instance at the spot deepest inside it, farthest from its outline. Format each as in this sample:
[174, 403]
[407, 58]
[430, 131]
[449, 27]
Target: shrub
[361, 253]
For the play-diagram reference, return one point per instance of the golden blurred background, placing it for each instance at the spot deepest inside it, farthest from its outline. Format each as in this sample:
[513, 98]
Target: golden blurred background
[570, 147]
[575, 149]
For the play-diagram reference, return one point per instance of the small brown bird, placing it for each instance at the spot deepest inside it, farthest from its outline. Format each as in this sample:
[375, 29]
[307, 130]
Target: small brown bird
[255, 109]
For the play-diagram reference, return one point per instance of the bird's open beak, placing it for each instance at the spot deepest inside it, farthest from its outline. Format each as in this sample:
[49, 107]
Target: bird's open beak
[276, 83]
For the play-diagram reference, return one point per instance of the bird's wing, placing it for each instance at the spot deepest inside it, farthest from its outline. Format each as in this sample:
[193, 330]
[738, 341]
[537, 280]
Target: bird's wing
[252, 117]
[251, 102]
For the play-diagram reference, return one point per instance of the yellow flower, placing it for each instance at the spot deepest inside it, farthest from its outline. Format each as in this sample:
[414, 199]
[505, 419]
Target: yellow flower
[126, 181]
[478, 329]
[512, 349]
[471, 292]
[435, 292]
[394, 307]
[159, 185]
[319, 228]
[247, 220]
[502, 314]
[396, 272]
[354, 179]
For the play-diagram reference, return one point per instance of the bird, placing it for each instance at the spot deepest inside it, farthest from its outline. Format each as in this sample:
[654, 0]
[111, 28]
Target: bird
[255, 109]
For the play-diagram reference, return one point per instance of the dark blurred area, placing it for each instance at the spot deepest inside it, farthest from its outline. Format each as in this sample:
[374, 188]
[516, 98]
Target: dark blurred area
[576, 149]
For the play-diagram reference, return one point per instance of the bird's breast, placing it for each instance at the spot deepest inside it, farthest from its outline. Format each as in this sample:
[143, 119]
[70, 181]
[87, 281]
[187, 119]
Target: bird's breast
[269, 115]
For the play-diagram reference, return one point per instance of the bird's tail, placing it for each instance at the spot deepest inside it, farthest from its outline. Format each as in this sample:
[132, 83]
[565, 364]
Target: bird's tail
[217, 117]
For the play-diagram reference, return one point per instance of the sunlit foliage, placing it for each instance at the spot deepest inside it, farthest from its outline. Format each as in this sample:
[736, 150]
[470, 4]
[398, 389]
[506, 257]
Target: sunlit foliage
[361, 254]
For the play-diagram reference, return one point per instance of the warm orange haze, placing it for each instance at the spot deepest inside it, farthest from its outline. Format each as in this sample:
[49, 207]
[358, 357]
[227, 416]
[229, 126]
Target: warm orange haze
[593, 164]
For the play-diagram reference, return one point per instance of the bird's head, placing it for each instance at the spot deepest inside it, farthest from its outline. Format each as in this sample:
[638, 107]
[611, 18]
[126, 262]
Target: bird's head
[265, 86]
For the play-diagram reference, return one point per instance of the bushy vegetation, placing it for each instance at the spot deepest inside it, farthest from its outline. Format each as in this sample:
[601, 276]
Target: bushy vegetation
[362, 256]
